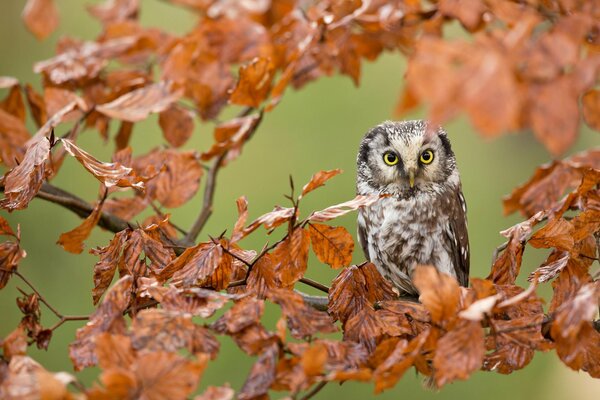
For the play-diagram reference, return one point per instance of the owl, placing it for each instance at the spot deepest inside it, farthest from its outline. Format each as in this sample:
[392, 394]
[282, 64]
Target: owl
[422, 220]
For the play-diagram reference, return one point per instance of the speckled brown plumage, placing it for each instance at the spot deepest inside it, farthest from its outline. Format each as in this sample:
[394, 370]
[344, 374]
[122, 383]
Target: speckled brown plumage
[420, 224]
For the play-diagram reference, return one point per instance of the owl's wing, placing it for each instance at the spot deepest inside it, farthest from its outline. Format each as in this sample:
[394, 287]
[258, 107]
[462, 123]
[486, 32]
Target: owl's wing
[362, 234]
[459, 238]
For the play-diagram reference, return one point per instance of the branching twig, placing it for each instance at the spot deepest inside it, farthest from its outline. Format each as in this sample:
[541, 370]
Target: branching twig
[314, 284]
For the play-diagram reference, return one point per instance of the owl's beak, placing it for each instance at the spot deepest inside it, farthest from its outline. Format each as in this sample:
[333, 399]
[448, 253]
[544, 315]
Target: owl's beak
[411, 177]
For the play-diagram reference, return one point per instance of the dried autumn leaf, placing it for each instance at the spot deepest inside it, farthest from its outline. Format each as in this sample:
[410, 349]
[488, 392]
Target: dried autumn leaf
[356, 288]
[390, 370]
[439, 293]
[170, 331]
[115, 10]
[319, 180]
[271, 220]
[179, 178]
[204, 264]
[13, 102]
[10, 255]
[302, 320]
[230, 136]
[195, 301]
[23, 182]
[591, 108]
[105, 268]
[110, 174]
[177, 125]
[261, 278]
[290, 258]
[261, 376]
[41, 17]
[343, 208]
[572, 314]
[15, 344]
[5, 228]
[72, 241]
[37, 107]
[254, 83]
[238, 229]
[459, 353]
[557, 233]
[56, 99]
[333, 246]
[108, 317]
[136, 105]
[24, 378]
[13, 139]
[583, 353]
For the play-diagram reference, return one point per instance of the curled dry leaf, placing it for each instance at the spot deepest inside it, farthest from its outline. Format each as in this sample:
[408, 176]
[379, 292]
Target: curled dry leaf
[5, 228]
[72, 241]
[290, 258]
[318, 180]
[10, 255]
[302, 320]
[262, 375]
[23, 182]
[231, 136]
[179, 178]
[357, 288]
[194, 301]
[115, 10]
[254, 83]
[177, 124]
[108, 317]
[439, 293]
[13, 103]
[205, 264]
[110, 174]
[41, 17]
[343, 208]
[332, 246]
[136, 105]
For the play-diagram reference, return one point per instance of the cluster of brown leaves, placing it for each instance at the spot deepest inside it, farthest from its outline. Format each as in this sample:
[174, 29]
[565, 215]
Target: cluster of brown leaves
[528, 66]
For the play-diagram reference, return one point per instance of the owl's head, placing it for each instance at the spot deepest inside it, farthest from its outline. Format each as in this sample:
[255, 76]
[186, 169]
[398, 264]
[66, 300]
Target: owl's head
[405, 157]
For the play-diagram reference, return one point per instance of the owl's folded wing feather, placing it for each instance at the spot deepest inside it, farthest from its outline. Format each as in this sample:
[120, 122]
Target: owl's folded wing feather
[459, 240]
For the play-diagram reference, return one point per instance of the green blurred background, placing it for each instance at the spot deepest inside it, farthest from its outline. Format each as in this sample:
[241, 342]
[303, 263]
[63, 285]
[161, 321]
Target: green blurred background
[313, 129]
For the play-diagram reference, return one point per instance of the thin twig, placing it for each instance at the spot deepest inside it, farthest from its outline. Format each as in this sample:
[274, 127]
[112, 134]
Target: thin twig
[207, 202]
[314, 284]
[315, 390]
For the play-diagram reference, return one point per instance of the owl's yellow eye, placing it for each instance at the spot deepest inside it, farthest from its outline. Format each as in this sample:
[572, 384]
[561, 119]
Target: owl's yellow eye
[426, 157]
[390, 158]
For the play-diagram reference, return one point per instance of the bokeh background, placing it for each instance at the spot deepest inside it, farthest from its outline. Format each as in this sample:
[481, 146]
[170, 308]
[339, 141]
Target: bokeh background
[316, 128]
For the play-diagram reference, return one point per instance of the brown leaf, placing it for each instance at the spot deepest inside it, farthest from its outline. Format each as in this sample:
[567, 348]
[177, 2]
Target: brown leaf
[15, 344]
[390, 370]
[459, 353]
[270, 220]
[591, 108]
[195, 301]
[571, 315]
[551, 267]
[41, 17]
[170, 331]
[110, 174]
[290, 258]
[23, 182]
[319, 180]
[24, 378]
[261, 376]
[261, 278]
[5, 228]
[238, 229]
[136, 105]
[205, 264]
[179, 179]
[115, 10]
[582, 353]
[364, 327]
[13, 102]
[13, 139]
[439, 293]
[333, 246]
[37, 106]
[468, 12]
[514, 342]
[105, 268]
[10, 255]
[80, 62]
[254, 83]
[231, 136]
[549, 183]
[302, 320]
[356, 288]
[108, 317]
[557, 233]
[55, 99]
[126, 207]
[343, 208]
[72, 241]
[177, 125]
